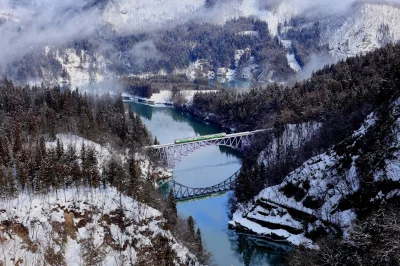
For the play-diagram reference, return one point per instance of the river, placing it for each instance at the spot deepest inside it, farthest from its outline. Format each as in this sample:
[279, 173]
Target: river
[206, 167]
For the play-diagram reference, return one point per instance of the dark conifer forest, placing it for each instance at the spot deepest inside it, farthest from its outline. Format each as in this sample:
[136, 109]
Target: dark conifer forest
[32, 116]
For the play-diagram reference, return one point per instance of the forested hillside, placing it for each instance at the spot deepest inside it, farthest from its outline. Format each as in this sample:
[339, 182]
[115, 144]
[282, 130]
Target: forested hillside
[237, 44]
[66, 155]
[341, 203]
[241, 39]
[339, 96]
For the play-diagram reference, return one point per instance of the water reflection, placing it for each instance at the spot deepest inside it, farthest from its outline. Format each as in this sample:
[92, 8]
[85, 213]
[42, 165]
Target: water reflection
[168, 124]
[252, 251]
[204, 167]
[145, 111]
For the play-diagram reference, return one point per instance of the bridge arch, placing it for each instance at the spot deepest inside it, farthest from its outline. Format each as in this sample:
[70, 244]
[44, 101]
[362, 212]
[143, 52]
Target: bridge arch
[182, 192]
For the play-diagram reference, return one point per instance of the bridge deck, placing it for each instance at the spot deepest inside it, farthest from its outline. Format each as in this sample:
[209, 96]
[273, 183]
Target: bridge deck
[225, 137]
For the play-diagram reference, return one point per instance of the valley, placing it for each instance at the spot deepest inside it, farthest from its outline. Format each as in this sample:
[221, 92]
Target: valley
[210, 132]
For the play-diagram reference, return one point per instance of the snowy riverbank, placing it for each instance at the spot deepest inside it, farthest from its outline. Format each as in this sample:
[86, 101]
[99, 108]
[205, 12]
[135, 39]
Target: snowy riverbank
[164, 97]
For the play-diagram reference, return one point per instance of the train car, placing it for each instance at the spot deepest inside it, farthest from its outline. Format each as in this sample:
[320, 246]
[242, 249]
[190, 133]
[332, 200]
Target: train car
[200, 138]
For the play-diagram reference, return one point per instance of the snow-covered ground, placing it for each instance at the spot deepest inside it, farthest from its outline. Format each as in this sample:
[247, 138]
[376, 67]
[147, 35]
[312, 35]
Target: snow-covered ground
[76, 222]
[239, 54]
[83, 69]
[286, 43]
[248, 71]
[199, 68]
[281, 13]
[103, 154]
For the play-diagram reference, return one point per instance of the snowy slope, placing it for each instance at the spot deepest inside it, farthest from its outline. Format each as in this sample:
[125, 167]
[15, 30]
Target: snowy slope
[362, 29]
[133, 16]
[313, 199]
[79, 226]
[82, 68]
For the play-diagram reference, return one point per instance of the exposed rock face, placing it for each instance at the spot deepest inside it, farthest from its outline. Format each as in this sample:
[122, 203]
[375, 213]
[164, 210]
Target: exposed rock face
[327, 192]
[291, 139]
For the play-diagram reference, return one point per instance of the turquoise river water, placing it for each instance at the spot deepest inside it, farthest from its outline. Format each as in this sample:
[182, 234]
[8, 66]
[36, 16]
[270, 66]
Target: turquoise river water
[206, 167]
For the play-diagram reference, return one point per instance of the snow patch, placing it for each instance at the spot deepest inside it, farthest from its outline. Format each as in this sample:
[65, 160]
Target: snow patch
[293, 62]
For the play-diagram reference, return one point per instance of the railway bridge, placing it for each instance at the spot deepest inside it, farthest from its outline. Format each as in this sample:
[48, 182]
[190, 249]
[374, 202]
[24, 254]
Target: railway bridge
[173, 153]
[184, 193]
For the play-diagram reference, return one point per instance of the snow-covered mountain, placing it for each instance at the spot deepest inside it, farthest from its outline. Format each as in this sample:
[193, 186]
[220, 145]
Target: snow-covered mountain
[352, 29]
[363, 28]
[326, 192]
[86, 226]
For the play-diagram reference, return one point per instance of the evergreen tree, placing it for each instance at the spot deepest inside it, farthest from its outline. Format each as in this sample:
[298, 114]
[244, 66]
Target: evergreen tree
[42, 146]
[199, 239]
[59, 149]
[3, 181]
[52, 125]
[112, 171]
[172, 204]
[134, 189]
[83, 153]
[17, 138]
[191, 225]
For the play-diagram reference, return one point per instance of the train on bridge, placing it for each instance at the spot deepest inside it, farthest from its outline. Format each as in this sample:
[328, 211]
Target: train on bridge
[200, 138]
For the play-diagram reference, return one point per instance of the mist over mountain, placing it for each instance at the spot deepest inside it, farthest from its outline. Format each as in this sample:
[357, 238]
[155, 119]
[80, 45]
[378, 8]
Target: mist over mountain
[82, 42]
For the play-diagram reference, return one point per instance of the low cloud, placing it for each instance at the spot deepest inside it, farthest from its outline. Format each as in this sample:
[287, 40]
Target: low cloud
[315, 62]
[143, 51]
[30, 25]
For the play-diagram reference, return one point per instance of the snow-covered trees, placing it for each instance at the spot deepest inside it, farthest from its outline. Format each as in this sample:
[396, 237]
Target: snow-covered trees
[50, 145]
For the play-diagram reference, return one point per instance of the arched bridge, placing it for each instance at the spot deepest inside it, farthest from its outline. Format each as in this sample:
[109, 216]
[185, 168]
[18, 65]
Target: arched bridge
[183, 192]
[173, 153]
